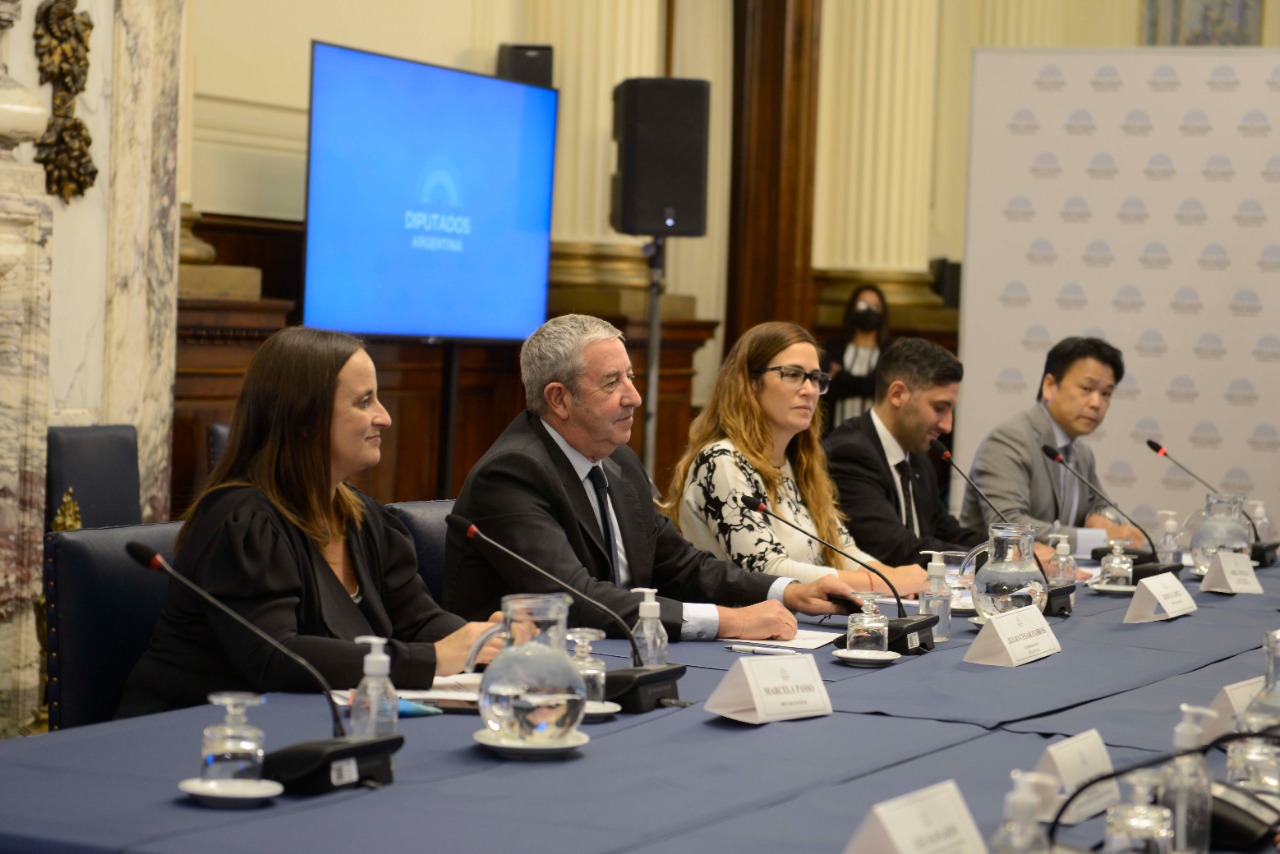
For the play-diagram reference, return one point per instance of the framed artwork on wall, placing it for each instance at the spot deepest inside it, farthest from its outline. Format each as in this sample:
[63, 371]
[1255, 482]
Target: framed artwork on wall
[1203, 22]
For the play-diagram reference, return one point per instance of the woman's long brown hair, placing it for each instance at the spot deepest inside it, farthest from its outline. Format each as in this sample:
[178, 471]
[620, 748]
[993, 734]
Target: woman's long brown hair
[734, 413]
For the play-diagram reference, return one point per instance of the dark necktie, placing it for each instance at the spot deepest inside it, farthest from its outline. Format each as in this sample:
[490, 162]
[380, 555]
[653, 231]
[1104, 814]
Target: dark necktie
[597, 478]
[908, 511]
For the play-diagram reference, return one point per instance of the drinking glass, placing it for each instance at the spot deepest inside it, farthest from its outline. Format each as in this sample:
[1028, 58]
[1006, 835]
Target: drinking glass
[591, 668]
[1139, 827]
[868, 631]
[1254, 763]
[952, 562]
[232, 750]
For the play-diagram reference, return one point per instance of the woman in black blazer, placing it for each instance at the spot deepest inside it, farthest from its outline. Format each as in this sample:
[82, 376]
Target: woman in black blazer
[281, 537]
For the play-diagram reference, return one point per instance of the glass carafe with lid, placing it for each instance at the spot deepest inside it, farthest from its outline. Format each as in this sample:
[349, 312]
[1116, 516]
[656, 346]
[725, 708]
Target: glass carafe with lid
[1222, 530]
[531, 692]
[1010, 579]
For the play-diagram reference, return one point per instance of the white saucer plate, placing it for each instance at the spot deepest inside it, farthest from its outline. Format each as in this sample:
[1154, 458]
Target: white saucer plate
[520, 750]
[1114, 589]
[978, 621]
[865, 657]
[230, 793]
[599, 710]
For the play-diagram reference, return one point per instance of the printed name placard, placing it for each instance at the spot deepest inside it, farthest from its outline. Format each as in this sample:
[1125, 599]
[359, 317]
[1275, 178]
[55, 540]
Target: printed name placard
[757, 690]
[933, 820]
[1013, 638]
[1159, 593]
[1231, 573]
[1075, 761]
[1230, 702]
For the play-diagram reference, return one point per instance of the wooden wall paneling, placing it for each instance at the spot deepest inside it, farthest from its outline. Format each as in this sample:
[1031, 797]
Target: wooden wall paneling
[216, 340]
[275, 247]
[774, 151]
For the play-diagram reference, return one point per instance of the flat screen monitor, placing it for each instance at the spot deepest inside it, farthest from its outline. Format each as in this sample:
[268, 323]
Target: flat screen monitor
[428, 199]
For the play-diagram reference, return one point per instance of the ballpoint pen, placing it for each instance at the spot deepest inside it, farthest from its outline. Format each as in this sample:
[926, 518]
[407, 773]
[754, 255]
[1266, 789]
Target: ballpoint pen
[760, 650]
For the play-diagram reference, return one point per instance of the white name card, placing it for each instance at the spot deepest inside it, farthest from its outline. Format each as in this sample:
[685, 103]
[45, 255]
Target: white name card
[1013, 638]
[1231, 573]
[1163, 592]
[933, 820]
[1230, 702]
[760, 689]
[1075, 761]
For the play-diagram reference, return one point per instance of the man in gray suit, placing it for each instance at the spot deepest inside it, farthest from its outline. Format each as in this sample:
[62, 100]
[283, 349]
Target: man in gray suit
[1080, 375]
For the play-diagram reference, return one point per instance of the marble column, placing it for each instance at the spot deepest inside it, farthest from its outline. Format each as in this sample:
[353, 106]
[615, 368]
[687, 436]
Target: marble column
[141, 302]
[26, 222]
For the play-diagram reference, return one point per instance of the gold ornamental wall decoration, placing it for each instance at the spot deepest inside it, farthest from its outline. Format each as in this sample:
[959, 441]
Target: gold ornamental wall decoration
[62, 49]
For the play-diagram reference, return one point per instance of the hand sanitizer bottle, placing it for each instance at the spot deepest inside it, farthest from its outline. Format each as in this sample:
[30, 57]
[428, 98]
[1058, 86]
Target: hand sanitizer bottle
[1167, 549]
[1020, 833]
[1061, 570]
[651, 635]
[374, 707]
[1185, 786]
[938, 598]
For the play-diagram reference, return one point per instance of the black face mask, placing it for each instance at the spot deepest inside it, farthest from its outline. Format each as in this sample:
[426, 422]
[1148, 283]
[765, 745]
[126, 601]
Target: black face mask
[867, 320]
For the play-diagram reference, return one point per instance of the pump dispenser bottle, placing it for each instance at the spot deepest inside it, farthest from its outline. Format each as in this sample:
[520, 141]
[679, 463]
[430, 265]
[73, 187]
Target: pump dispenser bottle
[374, 706]
[1167, 547]
[1021, 832]
[1185, 786]
[651, 635]
[938, 598]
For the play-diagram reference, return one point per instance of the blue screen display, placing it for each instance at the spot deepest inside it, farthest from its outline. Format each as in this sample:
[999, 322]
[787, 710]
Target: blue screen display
[428, 199]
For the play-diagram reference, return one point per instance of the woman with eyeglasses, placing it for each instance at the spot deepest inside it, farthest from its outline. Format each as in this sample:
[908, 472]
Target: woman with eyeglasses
[851, 359]
[760, 435]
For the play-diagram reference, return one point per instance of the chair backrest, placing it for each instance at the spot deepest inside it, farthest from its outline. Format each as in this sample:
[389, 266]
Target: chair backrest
[101, 464]
[425, 520]
[218, 433]
[102, 607]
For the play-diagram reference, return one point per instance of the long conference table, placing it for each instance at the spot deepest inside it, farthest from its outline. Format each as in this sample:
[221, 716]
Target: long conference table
[675, 779]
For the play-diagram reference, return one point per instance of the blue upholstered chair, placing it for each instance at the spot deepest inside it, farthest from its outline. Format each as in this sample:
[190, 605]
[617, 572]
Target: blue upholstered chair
[102, 607]
[218, 433]
[425, 520]
[100, 464]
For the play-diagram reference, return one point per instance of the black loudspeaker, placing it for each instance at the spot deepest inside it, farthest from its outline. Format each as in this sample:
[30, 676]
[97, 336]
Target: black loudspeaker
[525, 63]
[660, 184]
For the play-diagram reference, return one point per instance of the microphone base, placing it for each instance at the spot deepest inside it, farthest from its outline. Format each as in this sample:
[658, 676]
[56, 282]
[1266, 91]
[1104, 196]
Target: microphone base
[640, 689]
[912, 635]
[317, 767]
[1060, 601]
[1146, 570]
[1264, 553]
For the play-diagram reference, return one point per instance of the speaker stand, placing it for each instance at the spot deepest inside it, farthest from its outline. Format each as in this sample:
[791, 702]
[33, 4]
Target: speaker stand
[655, 253]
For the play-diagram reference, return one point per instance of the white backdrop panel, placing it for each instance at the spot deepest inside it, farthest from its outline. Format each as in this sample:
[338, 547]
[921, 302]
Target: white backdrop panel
[1135, 196]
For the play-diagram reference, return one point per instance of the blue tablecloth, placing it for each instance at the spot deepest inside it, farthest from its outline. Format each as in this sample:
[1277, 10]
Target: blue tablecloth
[673, 779]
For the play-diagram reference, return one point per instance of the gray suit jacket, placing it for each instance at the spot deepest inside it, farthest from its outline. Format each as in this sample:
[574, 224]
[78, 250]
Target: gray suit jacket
[1020, 480]
[524, 494]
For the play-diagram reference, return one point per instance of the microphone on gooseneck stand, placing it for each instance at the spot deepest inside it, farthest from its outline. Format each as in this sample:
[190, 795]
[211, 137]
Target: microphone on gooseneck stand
[907, 635]
[640, 688]
[311, 767]
[1059, 599]
[1056, 455]
[1263, 553]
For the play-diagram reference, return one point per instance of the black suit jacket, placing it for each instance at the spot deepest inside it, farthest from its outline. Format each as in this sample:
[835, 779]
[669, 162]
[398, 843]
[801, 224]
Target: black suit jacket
[869, 498]
[239, 547]
[524, 494]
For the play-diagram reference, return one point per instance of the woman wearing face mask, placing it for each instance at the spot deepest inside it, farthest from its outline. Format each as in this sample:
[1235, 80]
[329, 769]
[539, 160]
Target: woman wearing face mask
[851, 359]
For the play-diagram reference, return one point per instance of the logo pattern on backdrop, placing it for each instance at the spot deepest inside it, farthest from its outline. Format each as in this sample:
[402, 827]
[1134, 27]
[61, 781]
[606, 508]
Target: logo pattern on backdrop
[1144, 212]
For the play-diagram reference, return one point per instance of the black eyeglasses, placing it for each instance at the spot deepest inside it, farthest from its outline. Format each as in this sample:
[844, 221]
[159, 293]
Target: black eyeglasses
[793, 377]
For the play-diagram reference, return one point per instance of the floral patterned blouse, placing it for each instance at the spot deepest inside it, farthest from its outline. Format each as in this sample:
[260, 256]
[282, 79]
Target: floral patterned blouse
[712, 517]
